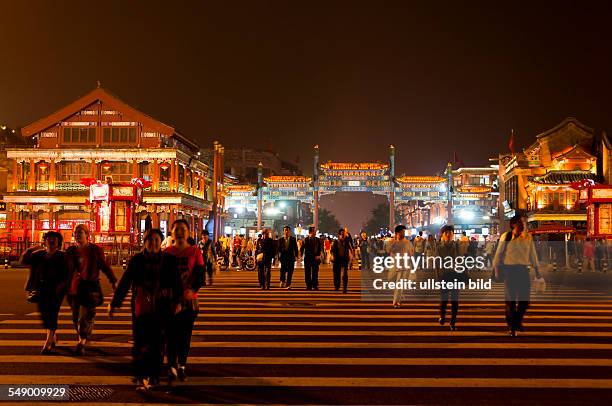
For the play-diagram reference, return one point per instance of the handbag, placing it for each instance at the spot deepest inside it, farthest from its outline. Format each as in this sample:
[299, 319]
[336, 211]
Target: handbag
[539, 285]
[260, 257]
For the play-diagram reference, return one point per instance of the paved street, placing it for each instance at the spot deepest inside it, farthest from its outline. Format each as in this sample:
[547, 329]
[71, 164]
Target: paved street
[298, 347]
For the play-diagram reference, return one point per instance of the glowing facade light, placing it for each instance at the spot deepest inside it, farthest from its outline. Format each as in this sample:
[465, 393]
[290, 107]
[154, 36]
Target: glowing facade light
[271, 211]
[437, 220]
[164, 165]
[466, 215]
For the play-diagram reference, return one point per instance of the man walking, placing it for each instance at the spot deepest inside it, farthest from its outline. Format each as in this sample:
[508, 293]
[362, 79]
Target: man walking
[341, 256]
[363, 251]
[208, 253]
[265, 252]
[288, 252]
[311, 251]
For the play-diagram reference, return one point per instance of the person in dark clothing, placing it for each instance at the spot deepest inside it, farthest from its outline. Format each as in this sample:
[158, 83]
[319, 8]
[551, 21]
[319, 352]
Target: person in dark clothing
[265, 253]
[190, 265]
[85, 261]
[448, 248]
[363, 251]
[288, 253]
[48, 282]
[341, 254]
[157, 289]
[208, 254]
[311, 251]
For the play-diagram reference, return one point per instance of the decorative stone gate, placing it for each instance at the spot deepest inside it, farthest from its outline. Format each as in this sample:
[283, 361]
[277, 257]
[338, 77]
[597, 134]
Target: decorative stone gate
[331, 177]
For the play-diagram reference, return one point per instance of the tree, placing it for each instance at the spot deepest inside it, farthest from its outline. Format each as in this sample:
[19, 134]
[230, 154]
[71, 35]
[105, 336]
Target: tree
[328, 223]
[379, 219]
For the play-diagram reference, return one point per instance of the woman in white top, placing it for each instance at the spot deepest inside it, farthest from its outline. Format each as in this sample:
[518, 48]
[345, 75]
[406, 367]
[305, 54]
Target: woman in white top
[399, 245]
[515, 254]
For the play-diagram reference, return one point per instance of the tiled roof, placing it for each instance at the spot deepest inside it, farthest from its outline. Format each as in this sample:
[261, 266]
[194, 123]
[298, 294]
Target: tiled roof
[564, 177]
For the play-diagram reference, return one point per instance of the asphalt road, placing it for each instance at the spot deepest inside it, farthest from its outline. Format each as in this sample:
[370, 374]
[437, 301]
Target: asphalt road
[323, 347]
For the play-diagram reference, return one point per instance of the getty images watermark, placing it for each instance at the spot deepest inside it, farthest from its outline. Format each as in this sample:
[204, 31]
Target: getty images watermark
[399, 271]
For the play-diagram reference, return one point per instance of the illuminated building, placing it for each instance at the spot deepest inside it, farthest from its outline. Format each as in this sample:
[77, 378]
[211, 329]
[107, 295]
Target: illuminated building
[538, 181]
[474, 203]
[102, 138]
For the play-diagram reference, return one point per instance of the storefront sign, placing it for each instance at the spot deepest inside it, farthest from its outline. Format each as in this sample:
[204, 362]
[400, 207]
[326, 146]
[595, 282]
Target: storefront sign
[98, 192]
[123, 191]
[601, 193]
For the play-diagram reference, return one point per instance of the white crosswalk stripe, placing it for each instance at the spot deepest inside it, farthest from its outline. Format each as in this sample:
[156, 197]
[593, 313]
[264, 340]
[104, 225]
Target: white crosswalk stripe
[247, 337]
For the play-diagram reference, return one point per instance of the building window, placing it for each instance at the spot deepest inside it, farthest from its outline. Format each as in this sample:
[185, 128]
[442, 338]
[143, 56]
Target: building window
[119, 135]
[120, 217]
[73, 171]
[118, 172]
[79, 135]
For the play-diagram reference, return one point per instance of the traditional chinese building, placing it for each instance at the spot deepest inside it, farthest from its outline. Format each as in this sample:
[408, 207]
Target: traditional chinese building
[101, 138]
[474, 201]
[538, 181]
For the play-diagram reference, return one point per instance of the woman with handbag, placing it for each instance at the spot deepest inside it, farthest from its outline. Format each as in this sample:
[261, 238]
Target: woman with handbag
[85, 261]
[156, 287]
[190, 267]
[515, 254]
[47, 283]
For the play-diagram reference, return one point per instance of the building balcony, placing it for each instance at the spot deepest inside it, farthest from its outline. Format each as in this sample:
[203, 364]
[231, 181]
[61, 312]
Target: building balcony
[42, 186]
[69, 186]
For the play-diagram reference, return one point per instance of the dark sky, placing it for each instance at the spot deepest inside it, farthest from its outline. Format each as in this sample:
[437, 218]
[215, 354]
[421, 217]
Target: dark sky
[429, 77]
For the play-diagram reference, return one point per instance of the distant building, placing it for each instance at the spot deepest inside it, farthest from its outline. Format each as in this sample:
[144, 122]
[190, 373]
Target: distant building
[474, 209]
[242, 163]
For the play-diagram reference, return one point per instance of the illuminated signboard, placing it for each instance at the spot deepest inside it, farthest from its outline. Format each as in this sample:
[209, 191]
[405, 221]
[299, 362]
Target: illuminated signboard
[123, 191]
[98, 192]
[605, 219]
[601, 193]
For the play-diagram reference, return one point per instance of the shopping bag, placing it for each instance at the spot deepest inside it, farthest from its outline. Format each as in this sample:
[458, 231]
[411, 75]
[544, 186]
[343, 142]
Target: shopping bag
[539, 285]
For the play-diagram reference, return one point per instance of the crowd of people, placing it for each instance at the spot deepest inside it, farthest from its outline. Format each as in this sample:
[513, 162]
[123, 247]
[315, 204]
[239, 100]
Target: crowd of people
[164, 287]
[166, 276]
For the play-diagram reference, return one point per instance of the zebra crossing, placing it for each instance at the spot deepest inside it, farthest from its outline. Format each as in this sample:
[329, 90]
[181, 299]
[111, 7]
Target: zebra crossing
[308, 347]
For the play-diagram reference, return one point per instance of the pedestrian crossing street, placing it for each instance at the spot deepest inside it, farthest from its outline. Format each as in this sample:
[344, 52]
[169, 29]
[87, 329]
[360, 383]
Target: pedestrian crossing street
[301, 347]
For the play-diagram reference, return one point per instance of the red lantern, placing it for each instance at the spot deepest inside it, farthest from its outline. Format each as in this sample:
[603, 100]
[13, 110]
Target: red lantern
[106, 166]
[164, 165]
[43, 166]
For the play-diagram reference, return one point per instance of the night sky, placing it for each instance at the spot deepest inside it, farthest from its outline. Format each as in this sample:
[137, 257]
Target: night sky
[430, 77]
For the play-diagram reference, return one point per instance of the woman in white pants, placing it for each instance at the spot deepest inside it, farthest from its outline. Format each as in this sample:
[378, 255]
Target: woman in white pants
[399, 245]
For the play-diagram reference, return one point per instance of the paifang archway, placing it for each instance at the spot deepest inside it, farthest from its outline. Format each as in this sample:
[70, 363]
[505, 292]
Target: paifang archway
[331, 177]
